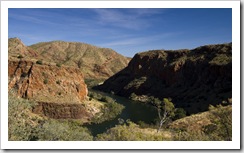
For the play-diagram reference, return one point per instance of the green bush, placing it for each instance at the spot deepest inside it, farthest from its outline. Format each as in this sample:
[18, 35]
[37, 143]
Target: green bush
[20, 124]
[58, 64]
[45, 81]
[109, 111]
[179, 113]
[221, 120]
[39, 62]
[24, 126]
[106, 99]
[53, 130]
[219, 129]
[20, 56]
[129, 132]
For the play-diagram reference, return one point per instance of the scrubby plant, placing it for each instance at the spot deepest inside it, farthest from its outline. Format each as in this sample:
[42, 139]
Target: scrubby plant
[58, 64]
[39, 62]
[53, 130]
[179, 113]
[20, 124]
[20, 56]
[58, 82]
[45, 81]
[110, 109]
[219, 128]
[23, 125]
[133, 96]
[130, 131]
[221, 123]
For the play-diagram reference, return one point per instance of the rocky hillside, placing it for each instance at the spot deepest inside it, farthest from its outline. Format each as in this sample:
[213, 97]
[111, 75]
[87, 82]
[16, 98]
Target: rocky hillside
[93, 61]
[47, 83]
[16, 48]
[192, 78]
[59, 92]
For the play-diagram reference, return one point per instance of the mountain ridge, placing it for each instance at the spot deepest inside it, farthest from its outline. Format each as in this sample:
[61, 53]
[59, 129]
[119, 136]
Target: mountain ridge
[95, 62]
[192, 78]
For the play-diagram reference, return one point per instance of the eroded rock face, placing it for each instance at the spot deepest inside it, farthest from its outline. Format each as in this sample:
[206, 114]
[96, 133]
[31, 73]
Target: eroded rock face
[192, 78]
[51, 86]
[62, 111]
[47, 83]
[16, 48]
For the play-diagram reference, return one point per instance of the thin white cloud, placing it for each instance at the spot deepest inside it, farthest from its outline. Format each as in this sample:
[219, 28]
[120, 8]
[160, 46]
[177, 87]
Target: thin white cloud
[138, 40]
[30, 18]
[131, 19]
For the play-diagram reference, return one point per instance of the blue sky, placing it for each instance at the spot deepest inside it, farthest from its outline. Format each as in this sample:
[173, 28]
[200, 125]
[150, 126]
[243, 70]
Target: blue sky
[127, 31]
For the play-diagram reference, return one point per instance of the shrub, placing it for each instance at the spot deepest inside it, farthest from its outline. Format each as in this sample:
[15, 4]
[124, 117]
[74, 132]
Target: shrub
[133, 96]
[45, 81]
[24, 126]
[20, 124]
[58, 82]
[130, 132]
[221, 119]
[53, 130]
[109, 111]
[179, 113]
[20, 56]
[58, 64]
[104, 99]
[39, 62]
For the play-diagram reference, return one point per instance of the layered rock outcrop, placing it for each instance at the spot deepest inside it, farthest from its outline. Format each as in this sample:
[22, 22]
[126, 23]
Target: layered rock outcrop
[49, 85]
[192, 78]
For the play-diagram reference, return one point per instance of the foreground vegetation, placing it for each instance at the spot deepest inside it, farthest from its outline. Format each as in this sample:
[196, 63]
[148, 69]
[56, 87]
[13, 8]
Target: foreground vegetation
[216, 125]
[130, 131]
[213, 125]
[23, 125]
[110, 109]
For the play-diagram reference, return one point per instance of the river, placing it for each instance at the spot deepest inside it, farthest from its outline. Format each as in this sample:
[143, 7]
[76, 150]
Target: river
[134, 111]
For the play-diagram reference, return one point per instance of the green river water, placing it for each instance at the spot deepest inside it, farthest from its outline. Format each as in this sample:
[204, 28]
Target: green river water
[134, 111]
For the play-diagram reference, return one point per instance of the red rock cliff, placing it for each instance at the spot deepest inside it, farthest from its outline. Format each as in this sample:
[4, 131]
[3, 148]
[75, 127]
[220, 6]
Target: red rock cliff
[192, 78]
[48, 84]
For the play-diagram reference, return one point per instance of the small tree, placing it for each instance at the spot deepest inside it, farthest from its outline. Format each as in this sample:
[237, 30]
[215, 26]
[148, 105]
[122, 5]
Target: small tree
[165, 109]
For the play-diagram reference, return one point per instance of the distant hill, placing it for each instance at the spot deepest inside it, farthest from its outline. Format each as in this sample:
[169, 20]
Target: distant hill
[94, 62]
[192, 78]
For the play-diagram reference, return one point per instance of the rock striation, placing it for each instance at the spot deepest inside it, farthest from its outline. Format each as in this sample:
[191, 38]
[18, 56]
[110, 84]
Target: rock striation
[49, 85]
[94, 62]
[192, 78]
[16, 48]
